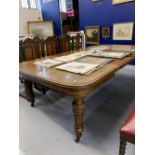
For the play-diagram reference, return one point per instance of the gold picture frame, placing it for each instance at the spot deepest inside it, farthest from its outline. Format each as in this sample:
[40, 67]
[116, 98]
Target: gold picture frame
[41, 29]
[114, 2]
[106, 32]
[96, 0]
[92, 34]
[123, 31]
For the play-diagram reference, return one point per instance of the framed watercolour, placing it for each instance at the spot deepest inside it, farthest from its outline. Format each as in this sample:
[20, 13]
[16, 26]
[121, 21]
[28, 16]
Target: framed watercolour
[120, 1]
[123, 31]
[92, 34]
[41, 29]
[105, 32]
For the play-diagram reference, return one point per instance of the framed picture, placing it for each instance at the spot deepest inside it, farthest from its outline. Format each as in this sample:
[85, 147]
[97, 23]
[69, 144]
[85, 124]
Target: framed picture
[120, 1]
[41, 29]
[95, 0]
[46, 1]
[105, 32]
[92, 34]
[123, 31]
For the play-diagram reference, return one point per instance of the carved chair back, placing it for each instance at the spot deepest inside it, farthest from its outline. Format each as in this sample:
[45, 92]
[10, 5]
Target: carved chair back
[31, 49]
[64, 44]
[76, 42]
[51, 46]
[38, 47]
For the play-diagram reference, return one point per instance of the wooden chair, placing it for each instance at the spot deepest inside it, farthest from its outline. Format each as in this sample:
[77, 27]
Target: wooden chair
[38, 46]
[31, 49]
[127, 132]
[79, 36]
[76, 42]
[21, 52]
[64, 44]
[21, 58]
[51, 46]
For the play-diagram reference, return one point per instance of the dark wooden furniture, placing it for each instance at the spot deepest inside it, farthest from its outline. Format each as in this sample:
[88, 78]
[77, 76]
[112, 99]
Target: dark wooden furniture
[64, 44]
[20, 51]
[78, 86]
[66, 28]
[21, 58]
[30, 49]
[70, 43]
[51, 46]
[127, 132]
[76, 42]
[38, 46]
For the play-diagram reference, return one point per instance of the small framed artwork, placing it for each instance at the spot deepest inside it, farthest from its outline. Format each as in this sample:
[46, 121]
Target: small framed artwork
[123, 31]
[92, 34]
[95, 0]
[41, 29]
[120, 1]
[105, 32]
[46, 1]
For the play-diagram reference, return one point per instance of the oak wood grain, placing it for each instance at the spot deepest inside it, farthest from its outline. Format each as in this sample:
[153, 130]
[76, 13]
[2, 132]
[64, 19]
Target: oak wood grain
[72, 84]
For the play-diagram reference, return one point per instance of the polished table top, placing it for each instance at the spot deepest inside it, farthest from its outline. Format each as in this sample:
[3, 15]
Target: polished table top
[53, 75]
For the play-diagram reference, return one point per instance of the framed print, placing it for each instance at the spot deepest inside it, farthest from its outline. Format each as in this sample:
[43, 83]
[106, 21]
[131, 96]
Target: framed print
[120, 1]
[95, 0]
[105, 32]
[46, 1]
[41, 29]
[92, 34]
[123, 31]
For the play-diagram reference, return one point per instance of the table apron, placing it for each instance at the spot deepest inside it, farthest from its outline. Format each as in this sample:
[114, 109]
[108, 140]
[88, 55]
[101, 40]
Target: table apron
[76, 91]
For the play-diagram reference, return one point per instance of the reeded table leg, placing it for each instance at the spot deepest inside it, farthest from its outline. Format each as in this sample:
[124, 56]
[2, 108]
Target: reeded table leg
[78, 109]
[29, 92]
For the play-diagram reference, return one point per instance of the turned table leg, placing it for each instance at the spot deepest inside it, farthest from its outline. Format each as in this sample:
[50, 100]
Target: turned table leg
[29, 92]
[122, 147]
[78, 110]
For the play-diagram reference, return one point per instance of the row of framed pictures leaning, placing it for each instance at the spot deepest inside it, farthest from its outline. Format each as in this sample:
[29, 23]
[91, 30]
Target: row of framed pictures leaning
[121, 31]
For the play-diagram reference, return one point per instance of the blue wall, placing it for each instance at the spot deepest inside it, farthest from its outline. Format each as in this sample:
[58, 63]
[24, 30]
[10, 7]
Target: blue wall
[50, 12]
[103, 13]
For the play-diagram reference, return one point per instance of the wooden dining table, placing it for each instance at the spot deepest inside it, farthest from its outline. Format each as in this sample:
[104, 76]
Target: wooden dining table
[75, 85]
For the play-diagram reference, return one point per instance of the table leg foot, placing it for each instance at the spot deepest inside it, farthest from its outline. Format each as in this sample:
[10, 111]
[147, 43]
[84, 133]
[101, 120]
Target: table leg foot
[78, 138]
[32, 104]
[29, 92]
[78, 109]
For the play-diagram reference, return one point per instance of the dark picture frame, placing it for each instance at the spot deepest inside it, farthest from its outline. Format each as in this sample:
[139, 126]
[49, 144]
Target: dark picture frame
[92, 34]
[106, 32]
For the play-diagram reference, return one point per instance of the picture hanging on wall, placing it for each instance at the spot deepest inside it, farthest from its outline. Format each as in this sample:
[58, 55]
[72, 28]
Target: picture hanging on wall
[41, 29]
[47, 1]
[120, 1]
[92, 34]
[123, 31]
[95, 0]
[105, 32]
